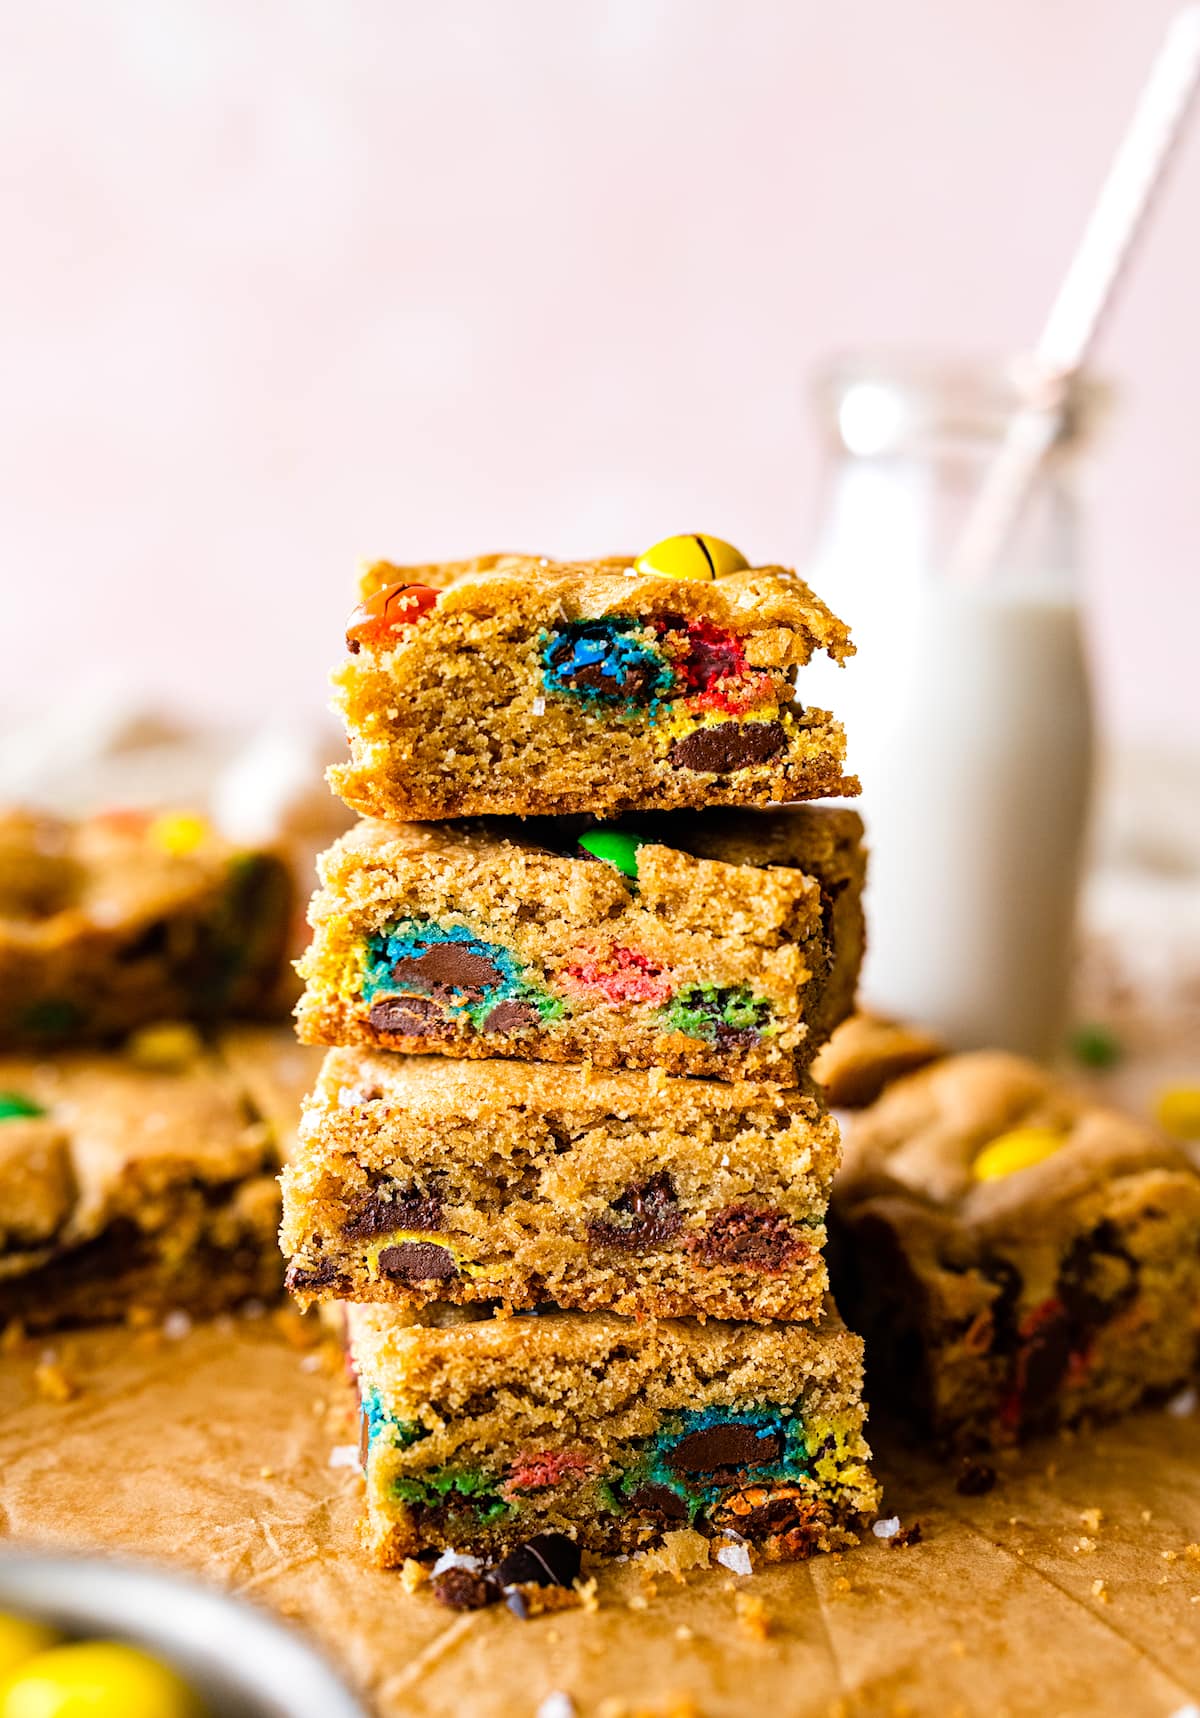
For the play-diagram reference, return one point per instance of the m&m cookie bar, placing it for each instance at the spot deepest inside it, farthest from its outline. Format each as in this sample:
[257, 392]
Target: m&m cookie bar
[419, 1179]
[130, 917]
[518, 685]
[483, 1433]
[1017, 1258]
[701, 944]
[139, 1182]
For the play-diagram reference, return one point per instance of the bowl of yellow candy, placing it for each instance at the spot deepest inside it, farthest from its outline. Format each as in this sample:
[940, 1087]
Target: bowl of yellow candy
[100, 1638]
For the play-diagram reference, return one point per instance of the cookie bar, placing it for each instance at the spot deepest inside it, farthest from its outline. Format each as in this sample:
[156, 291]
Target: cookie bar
[130, 917]
[865, 1054]
[482, 1432]
[420, 1179]
[126, 1186]
[480, 940]
[1016, 1257]
[518, 685]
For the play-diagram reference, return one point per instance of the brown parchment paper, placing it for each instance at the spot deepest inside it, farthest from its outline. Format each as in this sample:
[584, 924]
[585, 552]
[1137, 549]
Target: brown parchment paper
[213, 1452]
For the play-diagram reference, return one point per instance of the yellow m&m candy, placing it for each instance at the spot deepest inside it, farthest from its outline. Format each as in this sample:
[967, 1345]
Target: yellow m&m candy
[1021, 1148]
[1177, 1111]
[96, 1679]
[178, 832]
[694, 557]
[20, 1639]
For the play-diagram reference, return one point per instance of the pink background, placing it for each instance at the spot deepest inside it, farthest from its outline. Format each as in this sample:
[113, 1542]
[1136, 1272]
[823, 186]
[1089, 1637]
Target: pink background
[288, 282]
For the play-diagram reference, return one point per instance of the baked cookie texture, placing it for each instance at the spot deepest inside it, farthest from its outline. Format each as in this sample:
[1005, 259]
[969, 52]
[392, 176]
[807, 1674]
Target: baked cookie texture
[1016, 1257]
[481, 1432]
[139, 1183]
[130, 917]
[516, 685]
[419, 1179]
[866, 1053]
[726, 947]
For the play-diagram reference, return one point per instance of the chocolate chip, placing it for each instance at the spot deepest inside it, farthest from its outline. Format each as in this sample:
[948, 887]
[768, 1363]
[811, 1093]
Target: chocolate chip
[546, 1560]
[304, 1277]
[727, 746]
[389, 1207]
[975, 1479]
[512, 1016]
[463, 1590]
[409, 1017]
[1097, 1279]
[724, 1446]
[659, 1501]
[445, 967]
[416, 1262]
[653, 1213]
[744, 1235]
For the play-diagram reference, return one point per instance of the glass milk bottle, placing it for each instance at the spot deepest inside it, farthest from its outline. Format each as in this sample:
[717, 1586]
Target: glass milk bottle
[967, 708]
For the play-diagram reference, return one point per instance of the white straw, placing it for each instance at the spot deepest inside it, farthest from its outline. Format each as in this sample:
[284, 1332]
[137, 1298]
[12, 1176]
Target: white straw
[1087, 292]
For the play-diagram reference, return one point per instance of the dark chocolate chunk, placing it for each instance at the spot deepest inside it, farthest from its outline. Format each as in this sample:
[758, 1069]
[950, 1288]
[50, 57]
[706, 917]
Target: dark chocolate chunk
[389, 1207]
[659, 1501]
[320, 1275]
[1098, 1278]
[463, 1590]
[724, 1446]
[653, 1218]
[546, 1560]
[445, 967]
[975, 1479]
[409, 1017]
[727, 746]
[416, 1262]
[512, 1016]
[745, 1235]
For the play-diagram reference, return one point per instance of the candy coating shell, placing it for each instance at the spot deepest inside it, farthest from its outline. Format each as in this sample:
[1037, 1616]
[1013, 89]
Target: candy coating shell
[692, 557]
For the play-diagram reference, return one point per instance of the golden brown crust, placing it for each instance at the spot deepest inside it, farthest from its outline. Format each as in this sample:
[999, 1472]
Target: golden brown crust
[866, 1054]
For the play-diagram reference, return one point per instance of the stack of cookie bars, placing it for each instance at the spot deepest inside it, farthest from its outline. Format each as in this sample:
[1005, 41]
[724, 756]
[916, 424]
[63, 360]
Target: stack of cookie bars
[563, 1164]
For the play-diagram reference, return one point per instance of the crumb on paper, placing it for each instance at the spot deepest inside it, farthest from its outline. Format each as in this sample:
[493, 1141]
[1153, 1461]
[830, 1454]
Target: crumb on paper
[344, 1455]
[886, 1527]
[842, 1585]
[1145, 1518]
[1184, 1404]
[587, 1592]
[1100, 1590]
[266, 1473]
[736, 1558]
[680, 1551]
[684, 1633]
[1084, 1544]
[413, 1574]
[1169, 1556]
[176, 1325]
[1192, 1553]
[753, 1617]
[1091, 1519]
[638, 1602]
[557, 1704]
[52, 1383]
[13, 1337]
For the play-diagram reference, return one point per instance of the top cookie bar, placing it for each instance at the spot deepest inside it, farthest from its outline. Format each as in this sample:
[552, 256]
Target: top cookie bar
[523, 686]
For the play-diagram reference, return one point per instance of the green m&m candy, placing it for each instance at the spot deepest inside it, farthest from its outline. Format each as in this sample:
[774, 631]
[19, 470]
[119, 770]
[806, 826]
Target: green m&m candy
[616, 847]
[13, 1105]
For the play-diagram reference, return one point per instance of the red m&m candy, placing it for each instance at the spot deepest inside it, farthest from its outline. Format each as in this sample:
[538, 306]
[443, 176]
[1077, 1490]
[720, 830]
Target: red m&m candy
[388, 611]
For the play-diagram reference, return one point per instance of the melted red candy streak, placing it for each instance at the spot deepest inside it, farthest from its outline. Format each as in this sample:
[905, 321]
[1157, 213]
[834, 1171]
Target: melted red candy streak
[703, 653]
[387, 611]
[621, 975]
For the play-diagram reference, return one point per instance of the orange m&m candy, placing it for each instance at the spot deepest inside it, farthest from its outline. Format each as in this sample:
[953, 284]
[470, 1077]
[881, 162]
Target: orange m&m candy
[387, 611]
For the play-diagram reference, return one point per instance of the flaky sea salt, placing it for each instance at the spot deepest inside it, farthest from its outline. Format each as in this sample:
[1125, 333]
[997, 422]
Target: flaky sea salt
[456, 1560]
[887, 1528]
[343, 1455]
[1184, 1404]
[557, 1705]
[736, 1558]
[539, 706]
[176, 1325]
